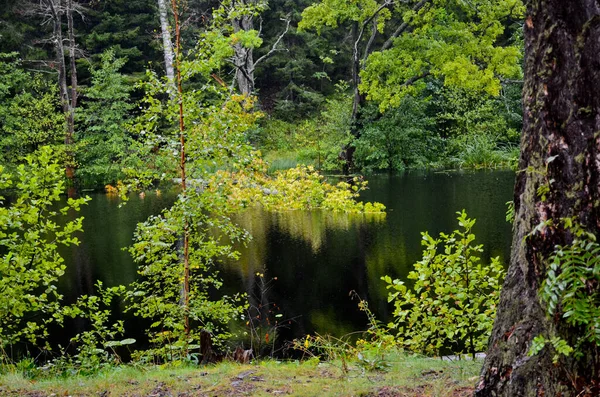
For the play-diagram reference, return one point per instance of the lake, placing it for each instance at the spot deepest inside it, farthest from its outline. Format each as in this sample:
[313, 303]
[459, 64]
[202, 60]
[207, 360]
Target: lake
[301, 266]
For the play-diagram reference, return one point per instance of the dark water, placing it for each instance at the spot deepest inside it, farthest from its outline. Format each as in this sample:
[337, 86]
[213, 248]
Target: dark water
[306, 263]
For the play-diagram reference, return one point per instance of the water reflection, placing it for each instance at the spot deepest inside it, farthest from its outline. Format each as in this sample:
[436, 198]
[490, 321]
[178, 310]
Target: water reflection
[317, 258]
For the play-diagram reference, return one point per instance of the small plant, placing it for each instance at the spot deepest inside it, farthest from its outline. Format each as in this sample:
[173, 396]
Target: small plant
[571, 295]
[264, 318]
[377, 341]
[328, 348]
[97, 346]
[452, 304]
[369, 352]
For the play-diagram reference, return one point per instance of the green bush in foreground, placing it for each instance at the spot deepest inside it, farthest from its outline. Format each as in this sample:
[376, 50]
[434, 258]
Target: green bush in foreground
[30, 235]
[452, 304]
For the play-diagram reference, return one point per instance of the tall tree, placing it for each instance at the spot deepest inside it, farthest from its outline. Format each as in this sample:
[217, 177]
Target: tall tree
[397, 44]
[127, 27]
[166, 40]
[56, 11]
[559, 179]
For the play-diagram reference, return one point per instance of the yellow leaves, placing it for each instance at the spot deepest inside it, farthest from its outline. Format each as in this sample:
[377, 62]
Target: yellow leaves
[299, 188]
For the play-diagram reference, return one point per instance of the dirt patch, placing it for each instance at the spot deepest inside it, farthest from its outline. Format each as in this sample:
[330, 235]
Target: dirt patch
[463, 392]
[22, 393]
[160, 390]
[419, 391]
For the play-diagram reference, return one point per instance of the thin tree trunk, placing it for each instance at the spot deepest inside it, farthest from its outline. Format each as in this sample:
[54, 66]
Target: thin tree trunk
[357, 102]
[167, 43]
[68, 104]
[560, 148]
[73, 104]
[182, 165]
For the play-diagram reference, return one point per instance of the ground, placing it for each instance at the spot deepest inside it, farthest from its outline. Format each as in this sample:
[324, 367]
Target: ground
[407, 376]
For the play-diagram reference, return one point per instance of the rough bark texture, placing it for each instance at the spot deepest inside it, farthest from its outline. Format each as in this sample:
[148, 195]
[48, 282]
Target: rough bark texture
[560, 148]
[166, 40]
[243, 57]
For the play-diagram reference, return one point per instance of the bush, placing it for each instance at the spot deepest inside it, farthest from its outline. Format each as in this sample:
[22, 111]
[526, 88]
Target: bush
[452, 304]
[30, 236]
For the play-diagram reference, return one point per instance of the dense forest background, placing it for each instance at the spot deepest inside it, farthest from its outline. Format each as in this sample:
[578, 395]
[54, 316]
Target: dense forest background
[451, 103]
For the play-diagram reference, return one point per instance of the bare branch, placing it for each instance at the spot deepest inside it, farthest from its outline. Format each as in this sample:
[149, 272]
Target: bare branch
[370, 42]
[384, 5]
[274, 47]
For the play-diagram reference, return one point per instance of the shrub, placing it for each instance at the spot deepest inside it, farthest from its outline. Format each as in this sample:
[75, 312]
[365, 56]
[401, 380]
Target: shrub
[452, 304]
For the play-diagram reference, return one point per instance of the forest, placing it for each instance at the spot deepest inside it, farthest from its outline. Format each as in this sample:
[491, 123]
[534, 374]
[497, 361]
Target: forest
[222, 125]
[321, 74]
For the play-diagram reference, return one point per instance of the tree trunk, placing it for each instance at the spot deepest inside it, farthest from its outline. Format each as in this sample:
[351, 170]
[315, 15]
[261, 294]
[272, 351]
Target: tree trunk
[68, 100]
[560, 149]
[182, 170]
[167, 43]
[243, 58]
[70, 167]
[357, 102]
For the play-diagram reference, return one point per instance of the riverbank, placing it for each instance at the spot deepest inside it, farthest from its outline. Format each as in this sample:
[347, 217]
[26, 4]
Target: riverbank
[405, 376]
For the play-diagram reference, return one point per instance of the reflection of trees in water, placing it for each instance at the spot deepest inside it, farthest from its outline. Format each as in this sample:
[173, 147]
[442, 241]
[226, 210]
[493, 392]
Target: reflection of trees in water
[317, 274]
[308, 226]
[387, 255]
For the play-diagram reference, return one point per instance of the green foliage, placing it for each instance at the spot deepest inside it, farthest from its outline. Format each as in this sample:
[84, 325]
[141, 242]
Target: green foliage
[300, 188]
[323, 141]
[295, 80]
[318, 140]
[399, 139]
[127, 27]
[370, 352]
[157, 295]
[452, 303]
[461, 43]
[570, 293]
[96, 347]
[214, 138]
[457, 42]
[559, 345]
[510, 211]
[29, 239]
[102, 141]
[481, 130]
[224, 175]
[334, 12]
[30, 114]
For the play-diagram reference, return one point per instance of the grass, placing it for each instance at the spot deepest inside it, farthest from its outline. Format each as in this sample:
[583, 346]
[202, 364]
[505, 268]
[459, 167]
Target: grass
[406, 376]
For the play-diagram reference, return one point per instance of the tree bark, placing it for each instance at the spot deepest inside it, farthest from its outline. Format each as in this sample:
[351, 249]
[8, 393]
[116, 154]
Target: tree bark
[167, 42]
[560, 149]
[243, 57]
